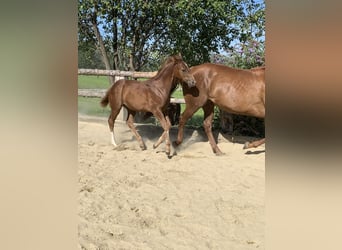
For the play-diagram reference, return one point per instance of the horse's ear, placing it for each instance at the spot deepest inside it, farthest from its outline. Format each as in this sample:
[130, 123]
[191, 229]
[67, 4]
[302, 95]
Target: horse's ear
[172, 59]
[180, 55]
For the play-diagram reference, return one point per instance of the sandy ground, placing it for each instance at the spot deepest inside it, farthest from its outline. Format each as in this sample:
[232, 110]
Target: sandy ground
[133, 199]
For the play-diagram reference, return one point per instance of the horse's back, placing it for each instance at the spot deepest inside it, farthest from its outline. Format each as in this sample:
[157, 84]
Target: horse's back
[209, 74]
[215, 75]
[235, 90]
[119, 88]
[222, 73]
[211, 70]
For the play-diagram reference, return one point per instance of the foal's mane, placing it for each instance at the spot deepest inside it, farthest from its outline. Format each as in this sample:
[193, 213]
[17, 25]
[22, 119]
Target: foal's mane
[172, 60]
[169, 62]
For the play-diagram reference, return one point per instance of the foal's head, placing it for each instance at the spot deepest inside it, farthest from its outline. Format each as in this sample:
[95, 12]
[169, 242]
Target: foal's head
[181, 71]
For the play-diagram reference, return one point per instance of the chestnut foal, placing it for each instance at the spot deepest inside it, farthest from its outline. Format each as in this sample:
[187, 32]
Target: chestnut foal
[152, 96]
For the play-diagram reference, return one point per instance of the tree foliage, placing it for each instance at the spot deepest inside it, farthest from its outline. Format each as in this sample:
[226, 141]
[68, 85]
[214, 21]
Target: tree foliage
[89, 57]
[138, 34]
[245, 55]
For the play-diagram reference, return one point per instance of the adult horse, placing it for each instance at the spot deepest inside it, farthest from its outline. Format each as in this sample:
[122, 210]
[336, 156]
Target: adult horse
[152, 96]
[236, 91]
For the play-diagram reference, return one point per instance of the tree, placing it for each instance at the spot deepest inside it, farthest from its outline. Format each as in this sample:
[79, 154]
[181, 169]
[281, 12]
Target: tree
[248, 50]
[89, 57]
[246, 55]
[201, 27]
[89, 32]
[131, 29]
[138, 34]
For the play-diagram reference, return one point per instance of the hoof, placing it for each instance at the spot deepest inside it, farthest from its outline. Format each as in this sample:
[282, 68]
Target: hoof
[169, 156]
[219, 153]
[154, 146]
[176, 144]
[246, 145]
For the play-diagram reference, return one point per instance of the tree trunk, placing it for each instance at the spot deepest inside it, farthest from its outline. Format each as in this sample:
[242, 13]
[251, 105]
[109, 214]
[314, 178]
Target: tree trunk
[103, 50]
[132, 54]
[115, 40]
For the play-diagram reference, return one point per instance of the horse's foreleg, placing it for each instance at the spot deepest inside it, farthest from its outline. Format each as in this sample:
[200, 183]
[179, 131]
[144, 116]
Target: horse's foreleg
[165, 123]
[254, 144]
[188, 112]
[160, 140]
[167, 134]
[130, 124]
[208, 109]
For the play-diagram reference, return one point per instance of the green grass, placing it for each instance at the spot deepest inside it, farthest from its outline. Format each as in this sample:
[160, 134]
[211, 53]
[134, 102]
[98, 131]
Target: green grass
[91, 105]
[93, 82]
[196, 121]
[178, 93]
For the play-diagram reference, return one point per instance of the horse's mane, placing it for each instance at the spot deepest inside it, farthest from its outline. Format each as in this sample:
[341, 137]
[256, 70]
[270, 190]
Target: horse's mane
[171, 60]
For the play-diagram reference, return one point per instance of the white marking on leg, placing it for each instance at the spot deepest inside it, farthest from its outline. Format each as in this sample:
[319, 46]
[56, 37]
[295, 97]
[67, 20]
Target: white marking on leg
[113, 138]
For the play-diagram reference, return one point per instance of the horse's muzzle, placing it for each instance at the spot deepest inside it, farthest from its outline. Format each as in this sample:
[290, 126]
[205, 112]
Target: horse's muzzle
[191, 83]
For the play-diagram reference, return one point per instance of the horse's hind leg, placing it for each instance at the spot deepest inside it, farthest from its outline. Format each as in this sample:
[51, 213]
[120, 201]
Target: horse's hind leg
[208, 109]
[111, 121]
[130, 124]
[254, 144]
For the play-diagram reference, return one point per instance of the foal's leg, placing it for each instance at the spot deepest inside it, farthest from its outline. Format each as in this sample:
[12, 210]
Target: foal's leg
[111, 120]
[130, 124]
[188, 112]
[164, 136]
[254, 144]
[165, 123]
[208, 109]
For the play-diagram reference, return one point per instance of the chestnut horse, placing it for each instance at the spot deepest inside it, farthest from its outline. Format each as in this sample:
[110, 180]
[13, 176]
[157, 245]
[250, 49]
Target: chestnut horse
[236, 91]
[152, 96]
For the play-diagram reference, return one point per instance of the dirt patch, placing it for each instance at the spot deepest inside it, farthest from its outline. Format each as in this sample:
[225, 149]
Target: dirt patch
[133, 199]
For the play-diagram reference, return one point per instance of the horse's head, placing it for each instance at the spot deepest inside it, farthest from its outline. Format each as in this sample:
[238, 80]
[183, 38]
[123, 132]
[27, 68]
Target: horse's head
[182, 71]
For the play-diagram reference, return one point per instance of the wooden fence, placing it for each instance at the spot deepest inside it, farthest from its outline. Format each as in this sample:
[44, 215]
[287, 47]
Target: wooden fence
[101, 72]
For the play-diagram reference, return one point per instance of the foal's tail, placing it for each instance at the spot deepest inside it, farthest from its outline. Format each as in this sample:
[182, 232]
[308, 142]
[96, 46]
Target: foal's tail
[105, 100]
[114, 92]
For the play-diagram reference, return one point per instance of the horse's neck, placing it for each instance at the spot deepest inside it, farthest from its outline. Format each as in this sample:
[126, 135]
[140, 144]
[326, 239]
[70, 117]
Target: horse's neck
[164, 80]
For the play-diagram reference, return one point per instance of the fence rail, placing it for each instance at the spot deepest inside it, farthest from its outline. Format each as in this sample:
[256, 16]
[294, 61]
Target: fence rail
[102, 72]
[92, 92]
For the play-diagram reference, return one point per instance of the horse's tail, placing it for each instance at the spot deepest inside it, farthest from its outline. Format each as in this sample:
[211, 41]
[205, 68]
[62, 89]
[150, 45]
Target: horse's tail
[104, 101]
[113, 92]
